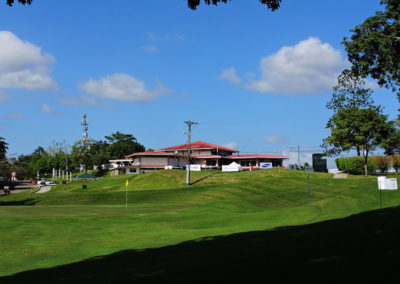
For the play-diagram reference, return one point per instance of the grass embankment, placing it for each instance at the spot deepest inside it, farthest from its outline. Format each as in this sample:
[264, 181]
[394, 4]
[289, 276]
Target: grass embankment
[70, 224]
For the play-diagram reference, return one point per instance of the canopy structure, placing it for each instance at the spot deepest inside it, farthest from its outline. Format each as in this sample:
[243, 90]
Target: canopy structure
[232, 167]
[86, 175]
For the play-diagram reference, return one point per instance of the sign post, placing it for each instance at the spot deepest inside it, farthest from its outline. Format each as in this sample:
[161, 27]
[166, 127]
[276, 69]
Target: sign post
[126, 193]
[309, 191]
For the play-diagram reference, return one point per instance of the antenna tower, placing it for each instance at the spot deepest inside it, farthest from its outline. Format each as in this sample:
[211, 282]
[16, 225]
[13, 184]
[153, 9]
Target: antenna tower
[85, 125]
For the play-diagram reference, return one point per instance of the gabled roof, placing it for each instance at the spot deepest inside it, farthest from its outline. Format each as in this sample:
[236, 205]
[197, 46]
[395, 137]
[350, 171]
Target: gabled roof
[206, 156]
[252, 156]
[199, 145]
[152, 153]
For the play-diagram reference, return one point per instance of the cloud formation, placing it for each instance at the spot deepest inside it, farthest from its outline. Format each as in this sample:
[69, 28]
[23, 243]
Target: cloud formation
[45, 108]
[231, 145]
[309, 67]
[165, 37]
[24, 65]
[77, 101]
[123, 87]
[15, 116]
[276, 139]
[230, 76]
[150, 48]
[4, 97]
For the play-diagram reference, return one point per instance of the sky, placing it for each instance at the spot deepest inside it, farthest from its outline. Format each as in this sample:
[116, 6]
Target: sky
[254, 80]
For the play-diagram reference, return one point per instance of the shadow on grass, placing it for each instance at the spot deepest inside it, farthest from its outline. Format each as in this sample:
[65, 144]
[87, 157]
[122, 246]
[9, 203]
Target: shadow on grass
[25, 202]
[360, 247]
[203, 178]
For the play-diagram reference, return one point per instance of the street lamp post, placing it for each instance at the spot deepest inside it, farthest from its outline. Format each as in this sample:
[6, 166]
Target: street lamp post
[298, 152]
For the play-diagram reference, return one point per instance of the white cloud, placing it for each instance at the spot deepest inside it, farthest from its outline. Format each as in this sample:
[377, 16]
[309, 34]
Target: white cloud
[230, 76]
[231, 145]
[24, 65]
[184, 97]
[165, 37]
[77, 101]
[15, 116]
[123, 87]
[309, 67]
[150, 48]
[4, 97]
[45, 108]
[276, 139]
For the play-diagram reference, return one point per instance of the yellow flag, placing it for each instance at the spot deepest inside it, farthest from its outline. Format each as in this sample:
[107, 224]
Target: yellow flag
[126, 183]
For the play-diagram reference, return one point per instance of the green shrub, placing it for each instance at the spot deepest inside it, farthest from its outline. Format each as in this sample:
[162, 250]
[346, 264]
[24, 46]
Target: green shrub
[355, 165]
[396, 163]
[382, 162]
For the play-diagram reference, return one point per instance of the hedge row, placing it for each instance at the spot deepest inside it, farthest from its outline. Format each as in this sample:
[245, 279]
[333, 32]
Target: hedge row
[355, 165]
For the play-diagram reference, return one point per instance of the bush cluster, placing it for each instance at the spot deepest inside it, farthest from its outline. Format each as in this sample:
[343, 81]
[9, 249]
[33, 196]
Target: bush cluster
[355, 165]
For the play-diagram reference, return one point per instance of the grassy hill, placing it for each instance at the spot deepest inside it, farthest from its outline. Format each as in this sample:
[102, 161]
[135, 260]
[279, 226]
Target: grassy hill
[71, 224]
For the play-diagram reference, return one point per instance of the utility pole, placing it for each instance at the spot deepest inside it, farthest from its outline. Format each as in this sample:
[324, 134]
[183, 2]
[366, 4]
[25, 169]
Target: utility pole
[189, 123]
[298, 153]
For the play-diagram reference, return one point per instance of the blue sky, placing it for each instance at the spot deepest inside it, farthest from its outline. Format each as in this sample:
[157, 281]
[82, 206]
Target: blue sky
[254, 79]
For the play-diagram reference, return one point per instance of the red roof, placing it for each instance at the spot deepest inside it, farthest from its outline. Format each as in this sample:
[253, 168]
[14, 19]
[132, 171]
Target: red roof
[206, 156]
[199, 145]
[152, 153]
[121, 160]
[249, 156]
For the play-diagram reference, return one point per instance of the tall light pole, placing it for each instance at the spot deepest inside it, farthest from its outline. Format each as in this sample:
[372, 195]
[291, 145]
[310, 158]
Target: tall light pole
[298, 152]
[189, 123]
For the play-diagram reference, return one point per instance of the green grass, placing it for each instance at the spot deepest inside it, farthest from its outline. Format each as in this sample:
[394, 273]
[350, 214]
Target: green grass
[70, 224]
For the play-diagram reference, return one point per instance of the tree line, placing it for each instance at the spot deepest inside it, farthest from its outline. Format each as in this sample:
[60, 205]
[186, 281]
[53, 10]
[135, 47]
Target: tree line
[357, 123]
[83, 155]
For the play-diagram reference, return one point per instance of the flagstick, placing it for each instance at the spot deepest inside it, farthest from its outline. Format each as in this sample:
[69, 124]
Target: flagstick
[126, 196]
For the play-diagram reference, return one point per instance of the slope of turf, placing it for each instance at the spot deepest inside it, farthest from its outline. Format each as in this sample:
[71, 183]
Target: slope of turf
[362, 247]
[70, 224]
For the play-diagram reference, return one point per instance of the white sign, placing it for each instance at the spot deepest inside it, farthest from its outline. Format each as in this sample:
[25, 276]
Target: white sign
[387, 183]
[195, 168]
[265, 165]
[168, 167]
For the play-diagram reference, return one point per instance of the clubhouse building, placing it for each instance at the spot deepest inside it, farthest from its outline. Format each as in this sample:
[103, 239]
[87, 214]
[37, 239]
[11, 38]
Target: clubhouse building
[204, 154]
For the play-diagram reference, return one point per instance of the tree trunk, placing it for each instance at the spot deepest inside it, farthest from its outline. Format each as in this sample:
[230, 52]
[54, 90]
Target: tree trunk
[358, 152]
[366, 163]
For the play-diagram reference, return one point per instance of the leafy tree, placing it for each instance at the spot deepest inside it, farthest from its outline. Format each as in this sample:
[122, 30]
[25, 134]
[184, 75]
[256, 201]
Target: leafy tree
[23, 2]
[81, 153]
[122, 145]
[374, 47]
[192, 4]
[4, 166]
[349, 92]
[20, 165]
[356, 128]
[100, 153]
[382, 162]
[38, 161]
[396, 163]
[271, 4]
[393, 142]
[3, 148]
